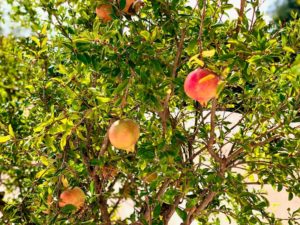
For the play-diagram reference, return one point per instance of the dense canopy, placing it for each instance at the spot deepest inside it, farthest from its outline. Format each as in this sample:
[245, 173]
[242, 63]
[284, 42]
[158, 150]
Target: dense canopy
[62, 87]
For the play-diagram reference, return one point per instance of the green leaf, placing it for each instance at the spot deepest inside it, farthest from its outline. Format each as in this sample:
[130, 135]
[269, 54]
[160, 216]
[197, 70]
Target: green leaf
[4, 138]
[227, 6]
[220, 87]
[156, 211]
[145, 154]
[122, 4]
[68, 209]
[169, 196]
[182, 214]
[92, 187]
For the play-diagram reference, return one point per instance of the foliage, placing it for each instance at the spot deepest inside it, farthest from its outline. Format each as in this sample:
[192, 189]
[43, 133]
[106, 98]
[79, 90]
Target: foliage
[62, 87]
[288, 10]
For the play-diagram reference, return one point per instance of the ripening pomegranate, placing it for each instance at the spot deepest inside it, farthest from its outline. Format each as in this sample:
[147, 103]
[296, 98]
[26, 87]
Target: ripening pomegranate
[124, 134]
[104, 12]
[132, 6]
[201, 85]
[128, 5]
[75, 197]
[135, 7]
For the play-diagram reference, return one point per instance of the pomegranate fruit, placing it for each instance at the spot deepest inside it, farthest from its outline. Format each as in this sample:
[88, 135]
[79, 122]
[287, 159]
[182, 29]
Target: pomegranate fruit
[104, 12]
[131, 8]
[75, 197]
[201, 85]
[124, 134]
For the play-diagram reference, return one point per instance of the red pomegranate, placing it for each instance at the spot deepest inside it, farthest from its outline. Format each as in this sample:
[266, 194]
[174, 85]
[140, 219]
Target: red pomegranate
[201, 85]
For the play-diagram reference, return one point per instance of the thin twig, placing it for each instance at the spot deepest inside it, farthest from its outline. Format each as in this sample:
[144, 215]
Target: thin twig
[241, 15]
[200, 43]
[164, 115]
[212, 134]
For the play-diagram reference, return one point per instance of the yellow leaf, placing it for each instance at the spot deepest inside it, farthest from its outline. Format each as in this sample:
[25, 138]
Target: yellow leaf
[44, 42]
[252, 178]
[40, 174]
[4, 138]
[44, 30]
[44, 160]
[44, 172]
[225, 72]
[208, 53]
[288, 49]
[11, 131]
[145, 34]
[63, 141]
[62, 69]
[36, 40]
[196, 60]
[64, 181]
[79, 134]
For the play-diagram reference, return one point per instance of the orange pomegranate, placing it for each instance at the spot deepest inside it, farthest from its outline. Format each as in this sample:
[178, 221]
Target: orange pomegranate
[127, 8]
[104, 12]
[75, 197]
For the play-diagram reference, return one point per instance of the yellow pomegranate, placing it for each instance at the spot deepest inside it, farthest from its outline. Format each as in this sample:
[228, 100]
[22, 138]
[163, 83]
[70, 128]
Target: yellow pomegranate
[124, 134]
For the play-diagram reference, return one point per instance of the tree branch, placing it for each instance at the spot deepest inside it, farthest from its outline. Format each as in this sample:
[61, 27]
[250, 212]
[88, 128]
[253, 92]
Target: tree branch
[236, 153]
[240, 18]
[200, 43]
[164, 115]
[195, 211]
[170, 211]
[92, 172]
[212, 135]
